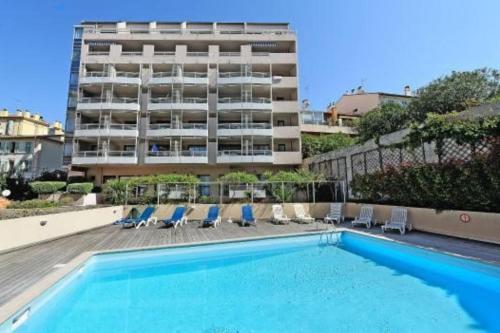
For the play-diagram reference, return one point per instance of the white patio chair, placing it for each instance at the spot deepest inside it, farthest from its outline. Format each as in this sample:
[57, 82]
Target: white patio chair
[398, 221]
[300, 214]
[365, 216]
[336, 214]
[278, 216]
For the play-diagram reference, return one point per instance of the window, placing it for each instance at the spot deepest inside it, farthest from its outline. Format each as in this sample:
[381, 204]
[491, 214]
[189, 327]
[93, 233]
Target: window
[281, 123]
[28, 147]
[281, 147]
[204, 189]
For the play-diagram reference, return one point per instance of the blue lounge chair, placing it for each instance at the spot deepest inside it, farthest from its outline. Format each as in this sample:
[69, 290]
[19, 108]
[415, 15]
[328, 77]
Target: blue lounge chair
[144, 219]
[247, 216]
[178, 217]
[213, 217]
[134, 213]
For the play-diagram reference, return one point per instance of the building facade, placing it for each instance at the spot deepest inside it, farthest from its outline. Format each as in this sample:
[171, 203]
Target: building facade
[203, 98]
[353, 105]
[29, 146]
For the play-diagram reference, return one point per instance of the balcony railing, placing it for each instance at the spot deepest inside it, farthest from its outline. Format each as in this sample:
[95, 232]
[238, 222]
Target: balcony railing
[112, 100]
[192, 100]
[229, 54]
[178, 126]
[197, 54]
[98, 53]
[185, 74]
[245, 100]
[245, 153]
[240, 74]
[183, 153]
[94, 126]
[106, 74]
[96, 74]
[164, 53]
[128, 74]
[132, 53]
[244, 126]
[102, 153]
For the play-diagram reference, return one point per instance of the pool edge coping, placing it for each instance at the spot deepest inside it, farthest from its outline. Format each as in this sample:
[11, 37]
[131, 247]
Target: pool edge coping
[20, 302]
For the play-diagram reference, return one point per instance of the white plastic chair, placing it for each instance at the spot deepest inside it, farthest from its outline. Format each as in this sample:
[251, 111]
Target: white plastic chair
[336, 214]
[365, 216]
[278, 215]
[398, 221]
[300, 214]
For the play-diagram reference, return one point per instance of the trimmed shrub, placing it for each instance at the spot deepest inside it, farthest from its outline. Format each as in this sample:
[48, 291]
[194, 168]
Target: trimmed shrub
[80, 188]
[31, 204]
[46, 187]
[471, 185]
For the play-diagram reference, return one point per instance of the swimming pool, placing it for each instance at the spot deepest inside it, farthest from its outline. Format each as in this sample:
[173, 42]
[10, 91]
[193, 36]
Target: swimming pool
[291, 284]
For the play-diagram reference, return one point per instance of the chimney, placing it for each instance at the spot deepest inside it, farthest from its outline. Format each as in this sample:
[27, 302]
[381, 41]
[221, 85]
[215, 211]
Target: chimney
[407, 91]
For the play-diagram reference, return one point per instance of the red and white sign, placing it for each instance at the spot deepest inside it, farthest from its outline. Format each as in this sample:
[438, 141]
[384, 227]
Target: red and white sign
[464, 218]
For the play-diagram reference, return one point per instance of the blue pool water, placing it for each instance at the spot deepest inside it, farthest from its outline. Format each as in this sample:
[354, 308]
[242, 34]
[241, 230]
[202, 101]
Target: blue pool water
[279, 285]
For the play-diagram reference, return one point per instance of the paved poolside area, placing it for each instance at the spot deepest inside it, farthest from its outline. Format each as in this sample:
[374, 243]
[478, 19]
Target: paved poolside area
[22, 268]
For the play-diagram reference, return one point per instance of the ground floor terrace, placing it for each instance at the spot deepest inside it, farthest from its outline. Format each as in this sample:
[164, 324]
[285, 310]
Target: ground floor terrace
[22, 268]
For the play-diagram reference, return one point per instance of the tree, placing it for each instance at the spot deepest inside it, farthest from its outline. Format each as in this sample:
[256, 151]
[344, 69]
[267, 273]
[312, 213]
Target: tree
[318, 144]
[387, 118]
[455, 92]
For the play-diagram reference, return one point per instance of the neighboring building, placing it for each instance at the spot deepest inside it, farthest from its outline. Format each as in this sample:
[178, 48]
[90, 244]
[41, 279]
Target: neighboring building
[353, 105]
[319, 122]
[29, 146]
[195, 97]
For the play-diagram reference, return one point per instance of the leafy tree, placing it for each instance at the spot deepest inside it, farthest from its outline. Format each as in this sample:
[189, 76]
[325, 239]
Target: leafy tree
[239, 177]
[387, 118]
[318, 144]
[455, 92]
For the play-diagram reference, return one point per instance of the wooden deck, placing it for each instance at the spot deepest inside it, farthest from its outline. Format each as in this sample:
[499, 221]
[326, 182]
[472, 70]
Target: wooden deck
[22, 268]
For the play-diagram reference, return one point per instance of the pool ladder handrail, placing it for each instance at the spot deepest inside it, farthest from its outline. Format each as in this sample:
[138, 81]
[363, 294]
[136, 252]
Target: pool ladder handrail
[328, 236]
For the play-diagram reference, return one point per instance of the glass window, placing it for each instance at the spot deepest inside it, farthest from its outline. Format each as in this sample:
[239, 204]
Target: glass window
[281, 147]
[204, 189]
[28, 147]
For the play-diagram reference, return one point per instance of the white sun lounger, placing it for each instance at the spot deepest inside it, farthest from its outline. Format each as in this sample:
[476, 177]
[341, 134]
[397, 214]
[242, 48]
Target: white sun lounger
[365, 216]
[278, 216]
[335, 215]
[398, 221]
[300, 214]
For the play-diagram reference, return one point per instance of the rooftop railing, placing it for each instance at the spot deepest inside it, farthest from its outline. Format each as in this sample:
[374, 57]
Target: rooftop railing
[112, 100]
[132, 30]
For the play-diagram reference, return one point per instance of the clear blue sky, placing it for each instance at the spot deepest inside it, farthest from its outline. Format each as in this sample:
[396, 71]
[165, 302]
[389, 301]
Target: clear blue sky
[386, 44]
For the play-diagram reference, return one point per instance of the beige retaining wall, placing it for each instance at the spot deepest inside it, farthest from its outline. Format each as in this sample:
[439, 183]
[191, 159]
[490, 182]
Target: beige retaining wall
[482, 226]
[15, 233]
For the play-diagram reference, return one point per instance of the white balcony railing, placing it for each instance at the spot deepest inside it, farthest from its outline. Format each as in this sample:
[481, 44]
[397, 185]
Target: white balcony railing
[98, 53]
[185, 74]
[112, 100]
[131, 53]
[231, 100]
[185, 129]
[197, 54]
[105, 77]
[229, 54]
[104, 157]
[184, 156]
[94, 126]
[245, 153]
[240, 74]
[190, 100]
[244, 126]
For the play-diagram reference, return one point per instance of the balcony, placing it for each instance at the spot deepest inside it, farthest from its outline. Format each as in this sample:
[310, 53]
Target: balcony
[116, 130]
[286, 106]
[184, 129]
[287, 157]
[230, 103]
[104, 157]
[163, 78]
[241, 78]
[239, 156]
[186, 103]
[103, 78]
[286, 132]
[115, 103]
[176, 157]
[238, 129]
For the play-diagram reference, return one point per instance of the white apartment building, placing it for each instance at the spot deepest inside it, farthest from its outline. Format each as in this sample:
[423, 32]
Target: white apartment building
[161, 97]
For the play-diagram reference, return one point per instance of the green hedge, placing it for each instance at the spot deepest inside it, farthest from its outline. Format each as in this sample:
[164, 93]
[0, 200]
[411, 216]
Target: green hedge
[35, 203]
[472, 185]
[46, 187]
[81, 188]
